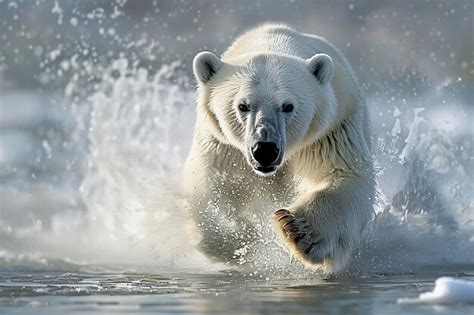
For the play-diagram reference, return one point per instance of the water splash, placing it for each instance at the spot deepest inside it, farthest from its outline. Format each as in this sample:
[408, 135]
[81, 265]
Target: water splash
[138, 135]
[427, 219]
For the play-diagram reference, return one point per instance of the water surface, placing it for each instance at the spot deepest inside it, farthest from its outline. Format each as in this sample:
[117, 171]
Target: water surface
[26, 290]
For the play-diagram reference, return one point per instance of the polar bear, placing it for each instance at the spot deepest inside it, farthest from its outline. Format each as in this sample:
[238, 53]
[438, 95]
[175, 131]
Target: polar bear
[281, 123]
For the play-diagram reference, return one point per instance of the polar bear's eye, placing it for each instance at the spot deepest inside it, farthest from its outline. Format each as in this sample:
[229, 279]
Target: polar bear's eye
[244, 108]
[287, 108]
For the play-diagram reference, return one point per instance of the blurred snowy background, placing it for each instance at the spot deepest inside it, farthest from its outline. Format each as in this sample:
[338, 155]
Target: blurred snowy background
[96, 109]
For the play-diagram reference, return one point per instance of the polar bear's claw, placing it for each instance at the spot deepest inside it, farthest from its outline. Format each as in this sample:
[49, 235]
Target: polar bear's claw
[282, 213]
[286, 221]
[307, 247]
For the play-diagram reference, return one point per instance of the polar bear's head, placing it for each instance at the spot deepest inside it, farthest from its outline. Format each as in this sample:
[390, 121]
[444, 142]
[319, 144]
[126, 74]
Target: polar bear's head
[266, 105]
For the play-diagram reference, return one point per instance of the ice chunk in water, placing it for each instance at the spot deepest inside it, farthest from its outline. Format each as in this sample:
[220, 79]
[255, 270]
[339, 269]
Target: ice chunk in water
[447, 290]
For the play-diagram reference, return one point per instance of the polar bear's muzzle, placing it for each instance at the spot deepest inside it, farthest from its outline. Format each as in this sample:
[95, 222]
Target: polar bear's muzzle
[265, 141]
[265, 153]
[265, 157]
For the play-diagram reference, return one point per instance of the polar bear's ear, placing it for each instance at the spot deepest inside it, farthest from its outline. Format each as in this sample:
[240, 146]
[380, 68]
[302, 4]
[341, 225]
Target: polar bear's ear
[205, 65]
[322, 66]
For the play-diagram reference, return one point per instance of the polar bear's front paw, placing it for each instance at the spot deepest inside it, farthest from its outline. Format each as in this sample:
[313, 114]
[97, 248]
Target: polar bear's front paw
[286, 221]
[305, 244]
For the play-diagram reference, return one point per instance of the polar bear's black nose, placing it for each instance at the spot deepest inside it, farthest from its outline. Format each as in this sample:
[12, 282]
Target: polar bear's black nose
[265, 153]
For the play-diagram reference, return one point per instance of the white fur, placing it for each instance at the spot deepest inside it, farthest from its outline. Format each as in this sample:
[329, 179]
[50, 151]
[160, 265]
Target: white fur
[327, 163]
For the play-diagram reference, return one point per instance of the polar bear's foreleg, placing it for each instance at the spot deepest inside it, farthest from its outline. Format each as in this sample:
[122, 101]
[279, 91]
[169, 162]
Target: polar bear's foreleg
[322, 227]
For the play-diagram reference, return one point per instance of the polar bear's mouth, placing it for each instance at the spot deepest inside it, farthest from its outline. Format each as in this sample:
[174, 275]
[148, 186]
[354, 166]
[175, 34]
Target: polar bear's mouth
[266, 169]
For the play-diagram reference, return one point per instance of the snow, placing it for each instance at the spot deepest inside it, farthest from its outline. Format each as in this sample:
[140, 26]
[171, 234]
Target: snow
[447, 290]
